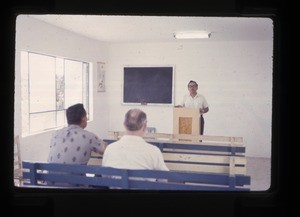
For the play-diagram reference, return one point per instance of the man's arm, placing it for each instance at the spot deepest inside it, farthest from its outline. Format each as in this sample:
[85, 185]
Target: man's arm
[204, 110]
[103, 146]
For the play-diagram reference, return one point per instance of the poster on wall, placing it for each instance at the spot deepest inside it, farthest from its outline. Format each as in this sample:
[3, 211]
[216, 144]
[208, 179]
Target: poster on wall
[100, 77]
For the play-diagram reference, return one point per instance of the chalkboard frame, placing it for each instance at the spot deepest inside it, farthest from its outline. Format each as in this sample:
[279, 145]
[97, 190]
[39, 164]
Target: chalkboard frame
[169, 68]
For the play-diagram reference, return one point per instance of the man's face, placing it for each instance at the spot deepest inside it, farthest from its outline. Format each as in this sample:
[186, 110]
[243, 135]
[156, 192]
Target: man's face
[192, 88]
[83, 122]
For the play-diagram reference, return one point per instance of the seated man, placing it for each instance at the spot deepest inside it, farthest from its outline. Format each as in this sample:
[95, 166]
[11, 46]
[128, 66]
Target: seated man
[73, 144]
[132, 151]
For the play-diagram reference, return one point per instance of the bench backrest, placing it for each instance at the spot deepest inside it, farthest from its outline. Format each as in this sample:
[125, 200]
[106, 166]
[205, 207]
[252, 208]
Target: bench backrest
[41, 174]
[230, 140]
[201, 156]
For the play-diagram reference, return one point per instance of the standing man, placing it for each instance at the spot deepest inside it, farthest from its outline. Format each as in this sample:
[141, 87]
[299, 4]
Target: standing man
[131, 151]
[73, 144]
[195, 100]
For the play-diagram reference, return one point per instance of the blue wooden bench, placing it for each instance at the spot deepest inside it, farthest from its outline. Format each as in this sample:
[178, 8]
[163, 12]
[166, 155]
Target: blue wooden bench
[37, 174]
[205, 156]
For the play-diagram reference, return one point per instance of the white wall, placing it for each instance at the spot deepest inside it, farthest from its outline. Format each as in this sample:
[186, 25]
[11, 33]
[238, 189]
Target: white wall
[235, 77]
[40, 37]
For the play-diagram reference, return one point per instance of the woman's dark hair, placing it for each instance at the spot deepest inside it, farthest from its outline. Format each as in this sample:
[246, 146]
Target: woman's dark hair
[134, 119]
[75, 113]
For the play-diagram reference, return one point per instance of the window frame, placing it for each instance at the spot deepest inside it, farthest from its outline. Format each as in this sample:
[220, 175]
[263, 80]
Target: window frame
[87, 93]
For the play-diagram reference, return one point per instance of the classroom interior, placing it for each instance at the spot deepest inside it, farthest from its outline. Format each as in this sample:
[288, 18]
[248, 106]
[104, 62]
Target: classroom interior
[233, 68]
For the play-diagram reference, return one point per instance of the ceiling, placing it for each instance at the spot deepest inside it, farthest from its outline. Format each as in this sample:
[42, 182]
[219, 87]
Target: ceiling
[134, 29]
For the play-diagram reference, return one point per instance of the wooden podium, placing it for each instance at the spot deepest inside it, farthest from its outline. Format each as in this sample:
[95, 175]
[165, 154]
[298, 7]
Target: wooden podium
[186, 121]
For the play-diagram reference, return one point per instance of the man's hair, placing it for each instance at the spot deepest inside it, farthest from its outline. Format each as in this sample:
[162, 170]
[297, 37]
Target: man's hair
[134, 119]
[191, 81]
[75, 113]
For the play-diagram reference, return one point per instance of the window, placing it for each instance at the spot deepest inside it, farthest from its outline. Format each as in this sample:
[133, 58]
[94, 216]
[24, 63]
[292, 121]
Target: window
[50, 85]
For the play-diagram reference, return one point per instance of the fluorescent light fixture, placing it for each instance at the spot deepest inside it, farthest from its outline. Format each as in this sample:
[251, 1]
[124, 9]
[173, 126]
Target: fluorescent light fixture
[191, 34]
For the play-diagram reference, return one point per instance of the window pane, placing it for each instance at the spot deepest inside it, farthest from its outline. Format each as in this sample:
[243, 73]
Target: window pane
[42, 121]
[61, 118]
[41, 83]
[60, 84]
[73, 83]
